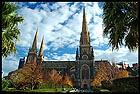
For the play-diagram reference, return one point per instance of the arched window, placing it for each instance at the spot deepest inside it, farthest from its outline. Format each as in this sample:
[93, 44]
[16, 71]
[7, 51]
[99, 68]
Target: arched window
[85, 72]
[72, 77]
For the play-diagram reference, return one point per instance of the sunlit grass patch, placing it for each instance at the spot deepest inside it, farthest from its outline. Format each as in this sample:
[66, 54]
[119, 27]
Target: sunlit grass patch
[104, 90]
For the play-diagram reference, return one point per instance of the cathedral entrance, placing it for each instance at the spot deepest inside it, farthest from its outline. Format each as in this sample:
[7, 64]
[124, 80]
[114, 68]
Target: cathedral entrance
[85, 76]
[85, 86]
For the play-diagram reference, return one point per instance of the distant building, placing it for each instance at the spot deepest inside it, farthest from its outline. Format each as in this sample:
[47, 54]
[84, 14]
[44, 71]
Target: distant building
[122, 65]
[21, 63]
[135, 66]
[133, 71]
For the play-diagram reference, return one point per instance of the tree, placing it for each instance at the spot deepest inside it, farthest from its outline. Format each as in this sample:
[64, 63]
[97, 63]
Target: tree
[28, 76]
[10, 31]
[122, 74]
[105, 72]
[36, 76]
[67, 81]
[121, 24]
[53, 77]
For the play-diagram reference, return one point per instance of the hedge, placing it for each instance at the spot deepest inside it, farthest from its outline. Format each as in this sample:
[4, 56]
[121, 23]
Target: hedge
[129, 84]
[106, 84]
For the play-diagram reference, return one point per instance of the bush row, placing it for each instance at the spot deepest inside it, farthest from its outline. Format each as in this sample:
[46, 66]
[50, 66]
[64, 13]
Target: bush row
[129, 84]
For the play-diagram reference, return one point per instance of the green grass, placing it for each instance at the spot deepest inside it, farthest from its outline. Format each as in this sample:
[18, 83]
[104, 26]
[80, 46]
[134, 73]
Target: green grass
[49, 90]
[104, 90]
[45, 90]
[42, 90]
[100, 90]
[36, 90]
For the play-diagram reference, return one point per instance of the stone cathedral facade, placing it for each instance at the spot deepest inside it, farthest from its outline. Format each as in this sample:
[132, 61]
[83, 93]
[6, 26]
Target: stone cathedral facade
[81, 71]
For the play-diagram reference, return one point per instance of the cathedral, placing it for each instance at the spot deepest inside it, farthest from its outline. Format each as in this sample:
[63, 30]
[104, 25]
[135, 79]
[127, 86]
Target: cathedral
[81, 71]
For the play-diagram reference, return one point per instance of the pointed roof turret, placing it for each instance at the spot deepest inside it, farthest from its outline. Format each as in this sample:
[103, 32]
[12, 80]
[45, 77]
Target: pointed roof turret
[77, 51]
[34, 45]
[41, 47]
[77, 56]
[92, 52]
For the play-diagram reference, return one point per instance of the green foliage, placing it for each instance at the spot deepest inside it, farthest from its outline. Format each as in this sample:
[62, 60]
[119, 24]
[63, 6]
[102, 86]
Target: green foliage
[126, 84]
[106, 84]
[50, 85]
[42, 86]
[99, 90]
[5, 84]
[121, 24]
[10, 31]
[96, 89]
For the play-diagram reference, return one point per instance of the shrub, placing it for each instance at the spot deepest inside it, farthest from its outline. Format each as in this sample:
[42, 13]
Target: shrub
[42, 86]
[106, 84]
[126, 84]
[5, 84]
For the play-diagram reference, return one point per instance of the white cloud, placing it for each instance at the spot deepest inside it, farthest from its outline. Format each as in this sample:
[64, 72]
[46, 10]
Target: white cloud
[64, 57]
[9, 64]
[123, 54]
[48, 21]
[32, 2]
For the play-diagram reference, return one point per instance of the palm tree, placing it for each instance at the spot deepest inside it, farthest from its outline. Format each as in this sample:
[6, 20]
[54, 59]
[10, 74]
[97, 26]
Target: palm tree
[10, 31]
[121, 24]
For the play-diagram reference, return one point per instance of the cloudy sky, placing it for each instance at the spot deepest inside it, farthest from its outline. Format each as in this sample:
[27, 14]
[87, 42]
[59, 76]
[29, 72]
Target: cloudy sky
[61, 24]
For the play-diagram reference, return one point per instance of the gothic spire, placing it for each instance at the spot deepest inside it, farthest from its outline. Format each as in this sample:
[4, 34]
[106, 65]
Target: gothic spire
[34, 45]
[84, 24]
[41, 47]
[85, 37]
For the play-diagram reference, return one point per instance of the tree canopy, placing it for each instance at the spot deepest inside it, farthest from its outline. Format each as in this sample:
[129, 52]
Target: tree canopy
[28, 76]
[10, 31]
[121, 24]
[108, 72]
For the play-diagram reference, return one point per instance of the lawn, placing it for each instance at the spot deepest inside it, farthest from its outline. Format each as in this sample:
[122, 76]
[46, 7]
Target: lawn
[51, 90]
[36, 90]
[100, 90]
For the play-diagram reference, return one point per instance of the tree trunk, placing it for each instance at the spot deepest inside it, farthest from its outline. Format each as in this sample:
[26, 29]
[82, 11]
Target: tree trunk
[32, 86]
[54, 85]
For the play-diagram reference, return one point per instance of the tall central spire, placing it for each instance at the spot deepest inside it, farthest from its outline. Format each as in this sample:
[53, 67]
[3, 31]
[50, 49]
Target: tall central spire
[85, 38]
[84, 24]
[85, 47]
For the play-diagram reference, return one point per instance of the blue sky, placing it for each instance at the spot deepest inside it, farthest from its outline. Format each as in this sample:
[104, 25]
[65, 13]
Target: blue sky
[61, 24]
